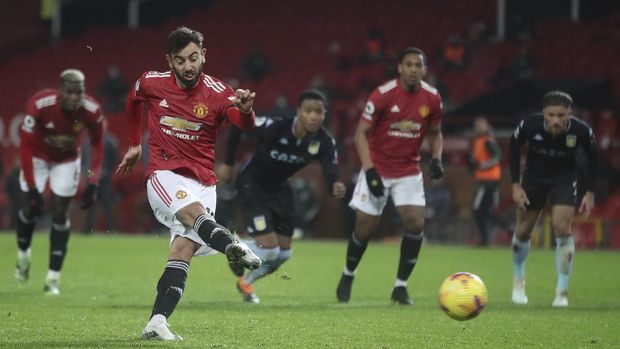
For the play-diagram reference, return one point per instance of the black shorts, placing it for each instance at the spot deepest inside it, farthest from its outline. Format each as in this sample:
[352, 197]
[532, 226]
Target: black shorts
[561, 190]
[266, 210]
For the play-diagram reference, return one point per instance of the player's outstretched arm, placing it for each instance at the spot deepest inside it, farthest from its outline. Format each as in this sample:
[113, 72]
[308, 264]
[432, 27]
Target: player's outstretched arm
[129, 160]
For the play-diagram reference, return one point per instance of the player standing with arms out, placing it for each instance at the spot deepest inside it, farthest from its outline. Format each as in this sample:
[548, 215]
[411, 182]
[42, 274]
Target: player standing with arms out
[398, 115]
[553, 139]
[285, 146]
[185, 109]
[50, 139]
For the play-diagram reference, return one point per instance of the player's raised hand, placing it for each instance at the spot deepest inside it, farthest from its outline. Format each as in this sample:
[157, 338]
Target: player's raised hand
[519, 197]
[244, 100]
[338, 190]
[223, 173]
[129, 160]
[587, 204]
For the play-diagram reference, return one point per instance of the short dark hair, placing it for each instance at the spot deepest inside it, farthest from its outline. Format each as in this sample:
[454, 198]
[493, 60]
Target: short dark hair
[181, 37]
[312, 94]
[554, 98]
[411, 50]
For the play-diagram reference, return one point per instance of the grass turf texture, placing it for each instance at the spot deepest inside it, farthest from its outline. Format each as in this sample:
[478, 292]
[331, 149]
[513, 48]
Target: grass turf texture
[108, 288]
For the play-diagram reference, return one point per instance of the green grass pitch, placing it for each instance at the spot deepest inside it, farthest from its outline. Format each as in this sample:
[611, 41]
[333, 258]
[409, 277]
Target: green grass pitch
[108, 288]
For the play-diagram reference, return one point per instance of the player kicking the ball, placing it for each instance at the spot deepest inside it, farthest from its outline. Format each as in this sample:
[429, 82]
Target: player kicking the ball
[185, 109]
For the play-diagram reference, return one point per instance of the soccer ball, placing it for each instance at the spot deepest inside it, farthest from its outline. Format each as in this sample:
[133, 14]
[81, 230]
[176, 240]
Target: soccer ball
[462, 296]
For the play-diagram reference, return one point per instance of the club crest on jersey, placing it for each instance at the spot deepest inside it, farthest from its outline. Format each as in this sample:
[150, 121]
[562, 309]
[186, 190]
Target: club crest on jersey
[200, 110]
[78, 126]
[571, 141]
[260, 223]
[181, 194]
[424, 111]
[313, 148]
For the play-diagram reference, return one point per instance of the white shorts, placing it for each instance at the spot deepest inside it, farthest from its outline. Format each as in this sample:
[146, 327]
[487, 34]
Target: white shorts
[404, 191]
[169, 192]
[64, 178]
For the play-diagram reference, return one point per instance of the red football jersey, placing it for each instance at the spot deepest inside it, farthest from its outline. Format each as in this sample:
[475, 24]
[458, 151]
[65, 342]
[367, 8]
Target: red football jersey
[182, 123]
[399, 122]
[55, 136]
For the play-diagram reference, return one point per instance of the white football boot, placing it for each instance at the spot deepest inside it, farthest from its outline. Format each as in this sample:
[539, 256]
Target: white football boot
[157, 328]
[518, 291]
[51, 287]
[561, 299]
[22, 267]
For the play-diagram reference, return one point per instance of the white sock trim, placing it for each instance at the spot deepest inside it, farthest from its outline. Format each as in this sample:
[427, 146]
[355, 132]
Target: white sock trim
[53, 274]
[400, 283]
[347, 272]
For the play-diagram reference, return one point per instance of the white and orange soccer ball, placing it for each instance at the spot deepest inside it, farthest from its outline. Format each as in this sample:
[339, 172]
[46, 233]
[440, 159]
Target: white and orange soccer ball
[462, 296]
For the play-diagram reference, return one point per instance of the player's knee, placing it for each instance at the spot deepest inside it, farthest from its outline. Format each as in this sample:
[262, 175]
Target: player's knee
[59, 216]
[190, 213]
[522, 236]
[561, 228]
[414, 225]
[25, 216]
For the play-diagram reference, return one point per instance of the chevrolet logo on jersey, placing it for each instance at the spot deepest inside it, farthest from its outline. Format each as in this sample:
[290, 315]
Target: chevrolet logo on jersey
[313, 148]
[406, 125]
[179, 124]
[571, 141]
[61, 141]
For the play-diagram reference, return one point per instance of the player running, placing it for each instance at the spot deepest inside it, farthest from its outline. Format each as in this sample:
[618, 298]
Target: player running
[285, 145]
[389, 135]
